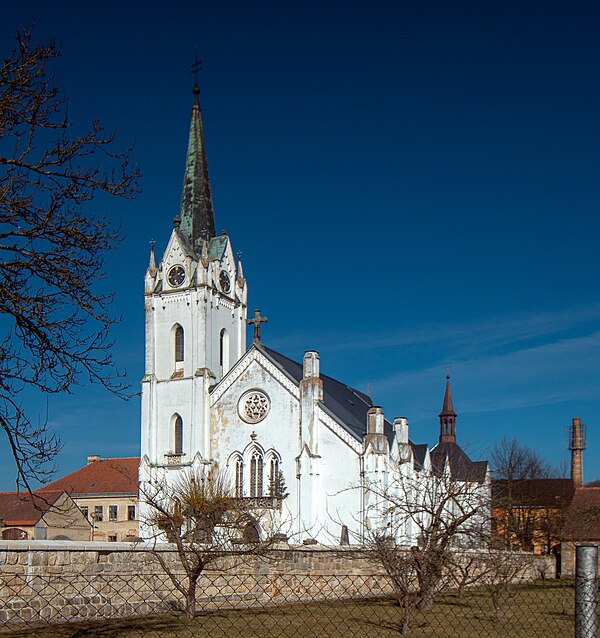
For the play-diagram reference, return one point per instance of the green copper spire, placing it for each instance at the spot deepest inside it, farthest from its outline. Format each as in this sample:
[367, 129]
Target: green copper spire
[196, 212]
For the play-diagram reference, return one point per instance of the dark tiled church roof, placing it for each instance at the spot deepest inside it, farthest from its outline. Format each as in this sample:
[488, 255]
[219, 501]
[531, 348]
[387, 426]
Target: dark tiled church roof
[461, 466]
[347, 405]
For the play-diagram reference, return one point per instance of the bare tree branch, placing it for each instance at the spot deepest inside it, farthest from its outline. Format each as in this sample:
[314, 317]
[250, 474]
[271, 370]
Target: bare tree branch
[55, 321]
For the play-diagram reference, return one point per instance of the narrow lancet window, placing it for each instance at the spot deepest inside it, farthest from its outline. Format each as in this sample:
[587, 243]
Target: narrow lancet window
[274, 475]
[178, 433]
[239, 478]
[178, 344]
[256, 475]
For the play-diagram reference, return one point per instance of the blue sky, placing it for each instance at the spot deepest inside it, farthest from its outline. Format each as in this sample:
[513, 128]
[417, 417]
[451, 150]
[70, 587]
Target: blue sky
[412, 185]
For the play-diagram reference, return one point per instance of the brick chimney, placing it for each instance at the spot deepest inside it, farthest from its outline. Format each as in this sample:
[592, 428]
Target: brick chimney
[577, 445]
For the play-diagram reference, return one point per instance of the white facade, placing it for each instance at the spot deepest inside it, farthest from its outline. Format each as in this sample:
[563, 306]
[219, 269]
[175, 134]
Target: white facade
[208, 400]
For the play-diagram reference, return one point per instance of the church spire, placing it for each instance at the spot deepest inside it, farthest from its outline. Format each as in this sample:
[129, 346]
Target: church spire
[196, 212]
[447, 417]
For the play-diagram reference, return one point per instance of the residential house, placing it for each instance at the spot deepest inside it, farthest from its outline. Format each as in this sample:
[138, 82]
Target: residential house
[106, 491]
[44, 515]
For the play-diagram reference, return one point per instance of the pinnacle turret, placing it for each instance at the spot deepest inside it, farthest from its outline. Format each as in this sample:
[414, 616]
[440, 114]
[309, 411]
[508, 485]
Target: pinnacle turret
[447, 417]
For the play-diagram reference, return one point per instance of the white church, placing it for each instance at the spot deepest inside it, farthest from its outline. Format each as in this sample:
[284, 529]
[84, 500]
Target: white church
[207, 398]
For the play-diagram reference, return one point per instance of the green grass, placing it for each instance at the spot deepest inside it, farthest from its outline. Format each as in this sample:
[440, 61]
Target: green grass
[544, 610]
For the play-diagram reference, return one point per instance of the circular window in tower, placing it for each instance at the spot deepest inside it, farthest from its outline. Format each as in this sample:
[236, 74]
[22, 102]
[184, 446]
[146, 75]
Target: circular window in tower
[253, 406]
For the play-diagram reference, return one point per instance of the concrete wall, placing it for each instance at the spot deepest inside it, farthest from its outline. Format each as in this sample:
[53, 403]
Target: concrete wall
[567, 550]
[61, 581]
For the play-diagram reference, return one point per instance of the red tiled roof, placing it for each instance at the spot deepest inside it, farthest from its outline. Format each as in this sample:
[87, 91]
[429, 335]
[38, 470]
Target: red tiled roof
[21, 508]
[106, 476]
[583, 516]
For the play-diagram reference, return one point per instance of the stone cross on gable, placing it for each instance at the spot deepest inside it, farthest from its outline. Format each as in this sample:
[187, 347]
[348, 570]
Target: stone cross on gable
[257, 320]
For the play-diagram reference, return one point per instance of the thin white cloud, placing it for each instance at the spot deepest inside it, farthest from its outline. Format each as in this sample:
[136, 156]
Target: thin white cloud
[566, 369]
[482, 334]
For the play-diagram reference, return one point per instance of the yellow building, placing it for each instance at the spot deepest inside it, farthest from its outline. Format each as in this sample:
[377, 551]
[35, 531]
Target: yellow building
[106, 491]
[529, 514]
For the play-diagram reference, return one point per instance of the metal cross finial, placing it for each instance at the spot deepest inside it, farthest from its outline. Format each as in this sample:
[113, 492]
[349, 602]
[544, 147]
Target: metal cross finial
[196, 67]
[448, 366]
[257, 320]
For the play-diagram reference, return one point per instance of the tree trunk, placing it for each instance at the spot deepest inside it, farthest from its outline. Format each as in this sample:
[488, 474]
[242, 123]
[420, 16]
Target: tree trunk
[405, 624]
[426, 591]
[497, 606]
[426, 598]
[190, 603]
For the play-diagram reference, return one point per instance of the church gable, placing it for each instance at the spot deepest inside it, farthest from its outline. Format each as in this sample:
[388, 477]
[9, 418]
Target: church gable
[254, 419]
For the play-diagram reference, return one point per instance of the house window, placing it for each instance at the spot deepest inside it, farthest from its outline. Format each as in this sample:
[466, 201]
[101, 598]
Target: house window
[112, 512]
[178, 344]
[84, 511]
[98, 514]
[274, 471]
[131, 512]
[256, 474]
[239, 477]
[112, 538]
[178, 435]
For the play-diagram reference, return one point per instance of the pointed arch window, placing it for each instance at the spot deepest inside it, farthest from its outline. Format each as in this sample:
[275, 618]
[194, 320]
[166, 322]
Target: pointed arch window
[178, 344]
[178, 435]
[256, 474]
[239, 477]
[273, 477]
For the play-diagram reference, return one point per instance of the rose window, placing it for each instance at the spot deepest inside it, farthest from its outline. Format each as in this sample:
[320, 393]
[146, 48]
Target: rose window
[253, 406]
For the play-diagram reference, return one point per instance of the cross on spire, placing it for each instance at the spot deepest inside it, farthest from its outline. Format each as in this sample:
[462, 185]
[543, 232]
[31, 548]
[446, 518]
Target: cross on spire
[257, 320]
[196, 67]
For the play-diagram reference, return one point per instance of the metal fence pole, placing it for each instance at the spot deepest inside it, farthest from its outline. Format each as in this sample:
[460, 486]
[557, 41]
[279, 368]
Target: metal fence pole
[586, 591]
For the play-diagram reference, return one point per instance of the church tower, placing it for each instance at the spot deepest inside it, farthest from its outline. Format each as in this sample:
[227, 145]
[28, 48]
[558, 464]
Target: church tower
[195, 310]
[447, 417]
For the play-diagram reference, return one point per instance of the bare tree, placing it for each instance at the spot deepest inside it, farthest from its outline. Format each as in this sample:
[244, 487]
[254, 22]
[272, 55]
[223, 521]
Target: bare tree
[528, 509]
[199, 514]
[440, 512]
[398, 563]
[513, 461]
[501, 571]
[55, 320]
[465, 569]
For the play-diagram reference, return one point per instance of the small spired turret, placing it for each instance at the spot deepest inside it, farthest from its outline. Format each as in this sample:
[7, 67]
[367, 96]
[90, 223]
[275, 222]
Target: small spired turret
[447, 417]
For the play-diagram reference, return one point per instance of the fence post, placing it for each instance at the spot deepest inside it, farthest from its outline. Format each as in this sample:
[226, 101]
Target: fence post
[586, 591]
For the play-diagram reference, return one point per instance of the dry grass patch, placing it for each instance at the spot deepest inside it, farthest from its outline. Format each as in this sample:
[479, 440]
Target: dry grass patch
[544, 610]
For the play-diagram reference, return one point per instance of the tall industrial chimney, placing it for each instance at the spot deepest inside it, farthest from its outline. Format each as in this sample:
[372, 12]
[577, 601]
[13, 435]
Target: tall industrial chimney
[577, 445]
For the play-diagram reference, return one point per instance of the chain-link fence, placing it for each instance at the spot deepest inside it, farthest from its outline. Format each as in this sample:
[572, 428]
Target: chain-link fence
[234, 606]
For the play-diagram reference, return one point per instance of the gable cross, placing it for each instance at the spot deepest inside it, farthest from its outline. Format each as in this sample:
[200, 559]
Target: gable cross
[257, 320]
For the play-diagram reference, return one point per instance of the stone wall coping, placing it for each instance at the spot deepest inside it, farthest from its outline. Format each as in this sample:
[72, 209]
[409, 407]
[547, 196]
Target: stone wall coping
[102, 546]
[146, 546]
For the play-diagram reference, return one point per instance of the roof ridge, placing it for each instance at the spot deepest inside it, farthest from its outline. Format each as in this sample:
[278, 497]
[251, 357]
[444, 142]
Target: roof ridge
[355, 391]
